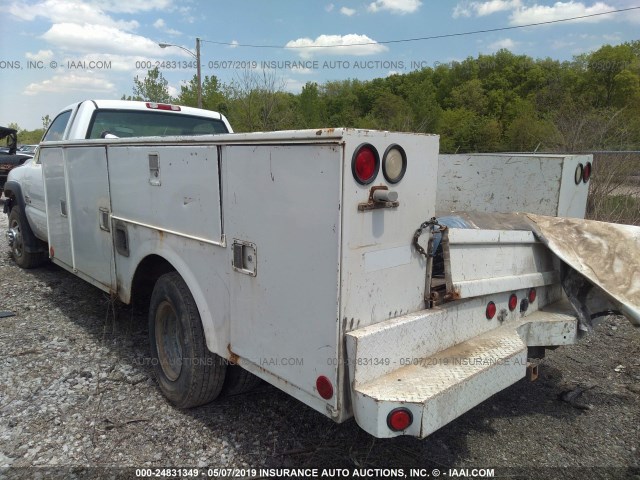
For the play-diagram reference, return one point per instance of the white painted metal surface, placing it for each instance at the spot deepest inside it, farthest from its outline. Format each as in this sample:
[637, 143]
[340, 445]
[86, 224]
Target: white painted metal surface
[89, 209]
[29, 177]
[286, 200]
[536, 183]
[383, 276]
[488, 261]
[183, 196]
[440, 379]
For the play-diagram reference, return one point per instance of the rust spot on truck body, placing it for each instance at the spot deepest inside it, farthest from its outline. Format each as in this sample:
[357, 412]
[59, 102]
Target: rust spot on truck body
[233, 357]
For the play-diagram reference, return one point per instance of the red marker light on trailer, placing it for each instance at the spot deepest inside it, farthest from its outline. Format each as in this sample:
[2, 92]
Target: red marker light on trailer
[491, 310]
[162, 106]
[513, 302]
[365, 164]
[399, 419]
[586, 173]
[532, 295]
[325, 389]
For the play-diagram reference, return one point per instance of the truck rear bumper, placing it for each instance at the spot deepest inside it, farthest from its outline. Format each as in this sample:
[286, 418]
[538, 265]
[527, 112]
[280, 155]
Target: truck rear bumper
[438, 387]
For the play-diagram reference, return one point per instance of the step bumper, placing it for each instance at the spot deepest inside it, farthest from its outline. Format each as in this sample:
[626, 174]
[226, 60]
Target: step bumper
[439, 387]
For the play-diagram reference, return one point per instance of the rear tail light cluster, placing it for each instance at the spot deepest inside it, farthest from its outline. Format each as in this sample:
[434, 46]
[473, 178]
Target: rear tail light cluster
[492, 309]
[365, 164]
[583, 173]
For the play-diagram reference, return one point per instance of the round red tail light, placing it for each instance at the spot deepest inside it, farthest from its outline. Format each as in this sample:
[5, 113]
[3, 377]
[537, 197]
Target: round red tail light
[532, 295]
[325, 389]
[491, 310]
[586, 172]
[365, 164]
[399, 419]
[513, 302]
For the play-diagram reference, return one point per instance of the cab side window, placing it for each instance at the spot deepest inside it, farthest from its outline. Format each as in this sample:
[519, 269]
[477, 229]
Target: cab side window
[57, 127]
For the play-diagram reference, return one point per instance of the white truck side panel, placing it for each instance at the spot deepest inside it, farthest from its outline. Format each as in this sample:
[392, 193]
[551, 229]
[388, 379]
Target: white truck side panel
[573, 198]
[183, 197]
[55, 185]
[542, 184]
[285, 201]
[30, 178]
[204, 268]
[386, 275]
[88, 194]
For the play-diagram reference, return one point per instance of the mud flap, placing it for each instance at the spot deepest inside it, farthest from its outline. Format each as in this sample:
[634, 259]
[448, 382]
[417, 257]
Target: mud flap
[602, 264]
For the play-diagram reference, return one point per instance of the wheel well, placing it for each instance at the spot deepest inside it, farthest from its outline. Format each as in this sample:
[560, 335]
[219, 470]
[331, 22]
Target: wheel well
[147, 273]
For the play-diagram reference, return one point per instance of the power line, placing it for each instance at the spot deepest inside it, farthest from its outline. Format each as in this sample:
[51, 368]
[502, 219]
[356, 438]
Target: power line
[432, 37]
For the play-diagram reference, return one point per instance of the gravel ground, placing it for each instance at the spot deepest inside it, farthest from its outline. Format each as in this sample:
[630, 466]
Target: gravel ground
[76, 391]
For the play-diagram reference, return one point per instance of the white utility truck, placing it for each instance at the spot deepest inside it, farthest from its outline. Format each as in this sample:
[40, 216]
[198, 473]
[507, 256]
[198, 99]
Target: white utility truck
[316, 261]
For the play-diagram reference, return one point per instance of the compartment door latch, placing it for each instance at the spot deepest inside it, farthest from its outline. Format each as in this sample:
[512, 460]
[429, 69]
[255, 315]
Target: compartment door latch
[245, 257]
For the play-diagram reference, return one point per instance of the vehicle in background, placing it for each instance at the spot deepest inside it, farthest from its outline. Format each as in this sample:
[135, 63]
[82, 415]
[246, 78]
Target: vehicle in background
[28, 149]
[9, 155]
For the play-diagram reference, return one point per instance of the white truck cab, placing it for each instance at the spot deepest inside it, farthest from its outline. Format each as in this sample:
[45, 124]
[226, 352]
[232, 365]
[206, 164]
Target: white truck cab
[93, 119]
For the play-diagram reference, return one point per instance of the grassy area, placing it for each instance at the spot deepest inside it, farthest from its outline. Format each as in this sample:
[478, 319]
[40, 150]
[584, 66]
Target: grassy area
[617, 209]
[614, 193]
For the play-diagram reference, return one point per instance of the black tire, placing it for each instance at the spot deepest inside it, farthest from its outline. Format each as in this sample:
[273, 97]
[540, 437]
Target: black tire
[188, 373]
[22, 234]
[238, 381]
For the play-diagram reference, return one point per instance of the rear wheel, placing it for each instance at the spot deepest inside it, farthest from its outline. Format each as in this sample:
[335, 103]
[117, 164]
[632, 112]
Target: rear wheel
[19, 231]
[238, 381]
[188, 373]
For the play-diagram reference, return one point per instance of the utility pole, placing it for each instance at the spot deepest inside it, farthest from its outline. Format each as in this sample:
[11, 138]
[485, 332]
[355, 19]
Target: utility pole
[199, 73]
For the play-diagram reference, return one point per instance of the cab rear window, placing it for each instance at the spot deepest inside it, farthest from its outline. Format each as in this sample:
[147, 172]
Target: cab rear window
[128, 123]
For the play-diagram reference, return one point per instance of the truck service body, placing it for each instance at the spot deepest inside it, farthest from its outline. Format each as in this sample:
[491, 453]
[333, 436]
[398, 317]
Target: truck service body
[317, 260]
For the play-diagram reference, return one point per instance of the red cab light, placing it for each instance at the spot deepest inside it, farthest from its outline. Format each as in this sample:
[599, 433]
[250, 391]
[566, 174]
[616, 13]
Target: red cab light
[513, 302]
[365, 164]
[491, 310]
[399, 419]
[532, 295]
[586, 172]
[325, 389]
[162, 106]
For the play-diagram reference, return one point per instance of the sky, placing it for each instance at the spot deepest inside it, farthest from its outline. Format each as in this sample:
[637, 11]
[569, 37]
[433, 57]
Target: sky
[56, 52]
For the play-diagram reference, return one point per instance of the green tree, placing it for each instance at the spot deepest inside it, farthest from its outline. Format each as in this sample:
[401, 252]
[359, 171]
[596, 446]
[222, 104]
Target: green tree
[310, 106]
[604, 65]
[152, 88]
[212, 97]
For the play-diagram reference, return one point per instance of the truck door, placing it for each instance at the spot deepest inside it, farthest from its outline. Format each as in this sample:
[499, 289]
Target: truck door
[78, 212]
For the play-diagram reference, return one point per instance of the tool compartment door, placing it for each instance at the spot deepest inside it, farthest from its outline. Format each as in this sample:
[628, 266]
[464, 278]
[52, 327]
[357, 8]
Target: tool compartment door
[90, 211]
[283, 202]
[78, 212]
